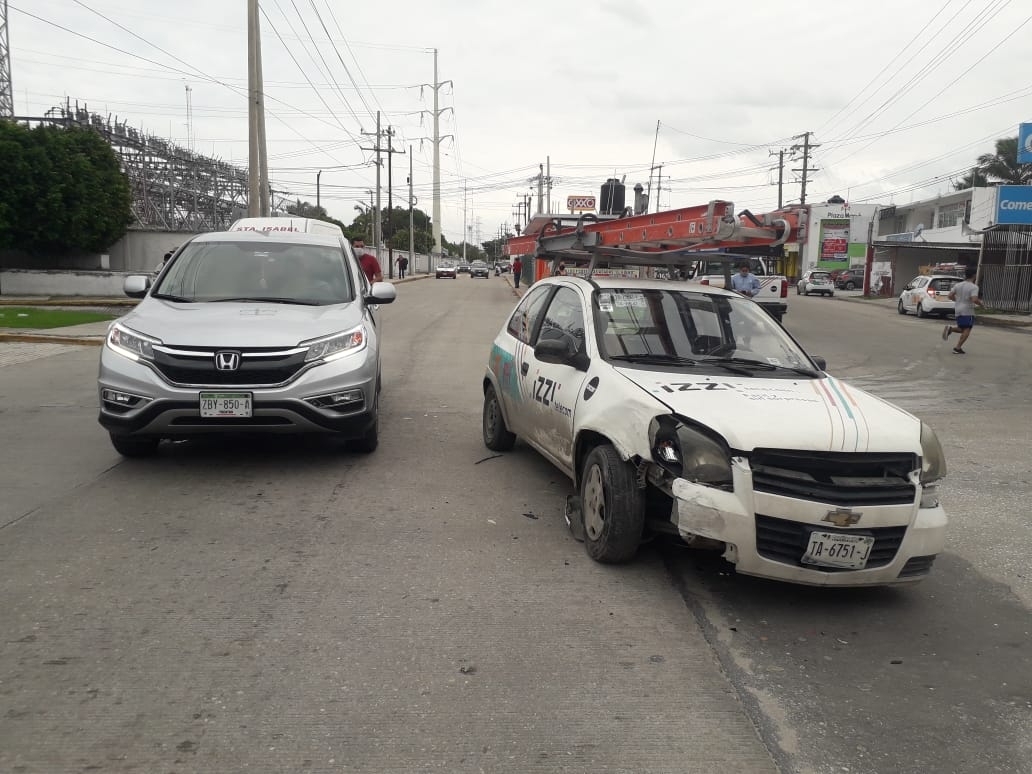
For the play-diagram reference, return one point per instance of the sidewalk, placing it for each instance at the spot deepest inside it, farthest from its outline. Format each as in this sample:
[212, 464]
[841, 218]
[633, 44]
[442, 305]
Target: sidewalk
[87, 334]
[1021, 322]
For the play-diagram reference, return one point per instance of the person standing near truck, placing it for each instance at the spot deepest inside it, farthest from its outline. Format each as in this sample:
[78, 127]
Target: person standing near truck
[745, 282]
[517, 269]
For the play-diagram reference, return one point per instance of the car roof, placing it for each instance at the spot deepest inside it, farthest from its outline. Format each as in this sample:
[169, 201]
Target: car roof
[634, 283]
[296, 237]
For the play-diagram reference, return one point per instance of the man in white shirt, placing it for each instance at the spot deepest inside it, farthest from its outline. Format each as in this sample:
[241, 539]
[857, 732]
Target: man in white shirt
[965, 298]
[745, 282]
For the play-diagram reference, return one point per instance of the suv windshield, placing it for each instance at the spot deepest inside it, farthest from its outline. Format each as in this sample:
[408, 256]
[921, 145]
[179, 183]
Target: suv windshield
[252, 271]
[682, 326]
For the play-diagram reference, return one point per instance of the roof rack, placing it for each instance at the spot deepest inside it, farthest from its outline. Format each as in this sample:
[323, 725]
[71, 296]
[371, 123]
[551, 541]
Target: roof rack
[671, 239]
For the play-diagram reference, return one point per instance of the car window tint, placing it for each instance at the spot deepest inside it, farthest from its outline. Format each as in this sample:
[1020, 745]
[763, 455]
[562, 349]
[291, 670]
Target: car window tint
[944, 283]
[525, 318]
[564, 319]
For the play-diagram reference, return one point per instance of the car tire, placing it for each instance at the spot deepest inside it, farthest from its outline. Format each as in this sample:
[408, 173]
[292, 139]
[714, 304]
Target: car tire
[798, 290]
[900, 308]
[850, 285]
[135, 446]
[921, 313]
[497, 436]
[368, 441]
[612, 505]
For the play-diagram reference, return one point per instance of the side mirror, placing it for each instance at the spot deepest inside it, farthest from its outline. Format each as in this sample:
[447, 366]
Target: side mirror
[562, 352]
[908, 287]
[820, 362]
[381, 293]
[136, 285]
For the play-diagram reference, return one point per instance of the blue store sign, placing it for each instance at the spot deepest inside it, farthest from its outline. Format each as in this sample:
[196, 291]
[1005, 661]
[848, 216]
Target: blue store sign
[1025, 144]
[1014, 205]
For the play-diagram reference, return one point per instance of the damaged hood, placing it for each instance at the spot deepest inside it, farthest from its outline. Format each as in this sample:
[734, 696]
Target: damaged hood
[822, 414]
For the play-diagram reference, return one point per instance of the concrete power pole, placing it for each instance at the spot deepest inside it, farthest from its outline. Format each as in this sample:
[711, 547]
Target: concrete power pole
[437, 139]
[6, 89]
[806, 148]
[411, 219]
[257, 164]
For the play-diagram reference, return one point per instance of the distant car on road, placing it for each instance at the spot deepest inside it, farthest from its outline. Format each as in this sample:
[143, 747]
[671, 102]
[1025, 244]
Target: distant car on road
[446, 270]
[928, 295]
[815, 281]
[850, 279]
[479, 269]
[463, 268]
[246, 332]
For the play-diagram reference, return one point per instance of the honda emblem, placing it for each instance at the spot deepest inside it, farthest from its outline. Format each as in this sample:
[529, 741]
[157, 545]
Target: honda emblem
[227, 361]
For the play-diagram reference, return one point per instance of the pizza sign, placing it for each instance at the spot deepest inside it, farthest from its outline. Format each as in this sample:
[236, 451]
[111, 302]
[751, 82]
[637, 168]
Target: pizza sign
[580, 203]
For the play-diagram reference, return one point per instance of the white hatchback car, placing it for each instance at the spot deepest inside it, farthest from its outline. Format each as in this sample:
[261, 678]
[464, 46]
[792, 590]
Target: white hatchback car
[686, 409]
[927, 295]
[815, 281]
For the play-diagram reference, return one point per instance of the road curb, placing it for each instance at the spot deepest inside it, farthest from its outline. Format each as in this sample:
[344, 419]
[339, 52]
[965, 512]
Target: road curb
[40, 338]
[988, 319]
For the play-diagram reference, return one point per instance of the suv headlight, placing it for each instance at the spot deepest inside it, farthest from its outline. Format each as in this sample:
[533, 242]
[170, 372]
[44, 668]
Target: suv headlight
[689, 452]
[336, 346]
[130, 343]
[933, 461]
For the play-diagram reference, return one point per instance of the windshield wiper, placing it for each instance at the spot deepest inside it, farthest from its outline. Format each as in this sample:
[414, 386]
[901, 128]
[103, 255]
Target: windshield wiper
[174, 299]
[744, 365]
[266, 300]
[657, 357]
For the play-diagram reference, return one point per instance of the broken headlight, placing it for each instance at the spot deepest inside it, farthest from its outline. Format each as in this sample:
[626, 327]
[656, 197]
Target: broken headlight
[689, 452]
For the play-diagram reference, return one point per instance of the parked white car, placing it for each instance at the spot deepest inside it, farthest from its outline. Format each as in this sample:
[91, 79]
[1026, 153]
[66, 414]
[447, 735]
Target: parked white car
[686, 409]
[927, 295]
[815, 281]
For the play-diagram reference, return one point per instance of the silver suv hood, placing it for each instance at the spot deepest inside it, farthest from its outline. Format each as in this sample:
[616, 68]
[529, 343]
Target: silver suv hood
[244, 324]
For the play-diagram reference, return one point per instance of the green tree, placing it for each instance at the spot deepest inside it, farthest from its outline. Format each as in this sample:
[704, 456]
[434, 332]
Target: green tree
[999, 168]
[60, 189]
[308, 210]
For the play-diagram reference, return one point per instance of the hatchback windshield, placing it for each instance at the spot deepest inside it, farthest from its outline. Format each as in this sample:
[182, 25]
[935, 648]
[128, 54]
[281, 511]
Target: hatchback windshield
[251, 271]
[820, 276]
[653, 326]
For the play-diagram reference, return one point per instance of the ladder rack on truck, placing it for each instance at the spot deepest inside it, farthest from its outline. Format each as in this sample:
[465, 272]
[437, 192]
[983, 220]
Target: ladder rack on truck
[673, 240]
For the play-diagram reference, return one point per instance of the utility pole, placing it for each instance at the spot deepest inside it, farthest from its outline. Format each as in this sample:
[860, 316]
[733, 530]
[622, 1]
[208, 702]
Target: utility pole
[548, 181]
[659, 185]
[464, 227]
[390, 199]
[781, 176]
[6, 88]
[318, 189]
[806, 148]
[652, 168]
[254, 183]
[411, 219]
[264, 193]
[437, 139]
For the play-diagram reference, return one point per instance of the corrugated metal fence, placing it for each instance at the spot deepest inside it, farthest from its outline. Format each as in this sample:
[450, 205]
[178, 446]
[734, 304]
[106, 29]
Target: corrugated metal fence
[1005, 280]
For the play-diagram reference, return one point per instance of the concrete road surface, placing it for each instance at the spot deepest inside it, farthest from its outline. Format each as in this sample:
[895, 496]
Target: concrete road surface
[285, 606]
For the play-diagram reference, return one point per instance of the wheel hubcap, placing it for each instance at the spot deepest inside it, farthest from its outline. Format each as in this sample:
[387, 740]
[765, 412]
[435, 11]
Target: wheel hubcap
[594, 504]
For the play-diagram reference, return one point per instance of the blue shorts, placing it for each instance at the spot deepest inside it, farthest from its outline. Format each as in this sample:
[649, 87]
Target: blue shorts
[966, 321]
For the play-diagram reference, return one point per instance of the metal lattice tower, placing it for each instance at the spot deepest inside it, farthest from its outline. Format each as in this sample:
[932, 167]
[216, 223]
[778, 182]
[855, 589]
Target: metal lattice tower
[6, 91]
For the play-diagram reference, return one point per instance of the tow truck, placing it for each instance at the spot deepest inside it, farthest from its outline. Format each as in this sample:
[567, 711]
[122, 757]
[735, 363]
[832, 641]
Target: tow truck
[685, 244]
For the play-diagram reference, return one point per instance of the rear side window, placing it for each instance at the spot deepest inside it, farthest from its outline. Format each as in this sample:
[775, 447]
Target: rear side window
[944, 284]
[524, 320]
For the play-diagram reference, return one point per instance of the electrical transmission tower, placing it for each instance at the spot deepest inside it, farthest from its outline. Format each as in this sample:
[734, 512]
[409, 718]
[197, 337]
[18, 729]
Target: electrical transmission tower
[6, 91]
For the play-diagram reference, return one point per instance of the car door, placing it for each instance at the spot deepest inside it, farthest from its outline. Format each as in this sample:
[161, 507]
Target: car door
[510, 361]
[917, 291]
[555, 386]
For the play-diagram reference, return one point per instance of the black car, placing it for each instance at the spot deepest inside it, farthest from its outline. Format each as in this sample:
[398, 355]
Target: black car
[478, 269]
[850, 279]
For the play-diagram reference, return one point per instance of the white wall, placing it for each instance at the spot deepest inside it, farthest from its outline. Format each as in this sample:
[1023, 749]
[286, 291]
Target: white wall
[55, 282]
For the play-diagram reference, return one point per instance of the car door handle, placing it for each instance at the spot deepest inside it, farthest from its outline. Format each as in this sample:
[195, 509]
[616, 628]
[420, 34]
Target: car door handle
[524, 368]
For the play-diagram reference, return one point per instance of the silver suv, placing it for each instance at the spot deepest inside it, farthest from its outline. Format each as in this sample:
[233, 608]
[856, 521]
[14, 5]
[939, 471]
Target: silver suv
[246, 332]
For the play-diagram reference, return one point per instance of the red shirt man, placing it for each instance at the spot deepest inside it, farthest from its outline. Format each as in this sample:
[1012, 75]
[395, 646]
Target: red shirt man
[368, 261]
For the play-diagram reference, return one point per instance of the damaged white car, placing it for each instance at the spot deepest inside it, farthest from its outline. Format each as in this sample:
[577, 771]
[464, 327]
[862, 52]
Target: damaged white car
[687, 409]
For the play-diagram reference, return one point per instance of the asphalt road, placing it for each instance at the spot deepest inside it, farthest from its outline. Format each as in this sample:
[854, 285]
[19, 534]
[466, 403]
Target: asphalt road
[285, 606]
[931, 678]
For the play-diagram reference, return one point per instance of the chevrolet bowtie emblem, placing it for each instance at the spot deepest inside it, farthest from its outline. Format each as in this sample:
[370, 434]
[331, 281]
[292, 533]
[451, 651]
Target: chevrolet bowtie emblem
[842, 517]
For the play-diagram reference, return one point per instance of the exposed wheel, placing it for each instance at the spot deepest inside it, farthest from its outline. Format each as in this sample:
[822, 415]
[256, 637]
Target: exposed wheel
[920, 310]
[798, 290]
[613, 506]
[900, 308]
[133, 446]
[850, 285]
[497, 437]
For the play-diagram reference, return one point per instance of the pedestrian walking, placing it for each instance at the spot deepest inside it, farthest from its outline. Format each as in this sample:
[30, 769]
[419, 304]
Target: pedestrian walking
[965, 298]
[517, 270]
[745, 282]
[402, 266]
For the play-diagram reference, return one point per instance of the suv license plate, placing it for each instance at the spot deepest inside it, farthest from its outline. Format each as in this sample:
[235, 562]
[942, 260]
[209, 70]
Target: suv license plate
[833, 549]
[226, 404]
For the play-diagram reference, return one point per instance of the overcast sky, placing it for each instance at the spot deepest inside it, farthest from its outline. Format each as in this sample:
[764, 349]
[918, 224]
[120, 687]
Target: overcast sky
[901, 96]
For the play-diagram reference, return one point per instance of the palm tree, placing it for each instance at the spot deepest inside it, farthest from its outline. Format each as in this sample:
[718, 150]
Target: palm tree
[1002, 167]
[974, 179]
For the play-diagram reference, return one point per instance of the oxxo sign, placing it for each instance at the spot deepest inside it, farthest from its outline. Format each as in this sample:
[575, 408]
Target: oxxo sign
[580, 203]
[1014, 205]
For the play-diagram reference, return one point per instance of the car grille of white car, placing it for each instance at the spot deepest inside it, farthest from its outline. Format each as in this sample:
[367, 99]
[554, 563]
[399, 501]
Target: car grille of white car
[785, 541]
[258, 366]
[844, 479]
